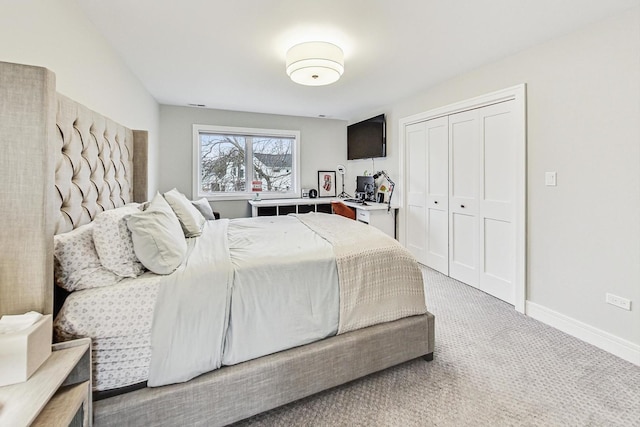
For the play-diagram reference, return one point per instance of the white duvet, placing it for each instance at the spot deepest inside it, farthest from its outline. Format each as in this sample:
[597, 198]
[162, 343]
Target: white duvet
[275, 286]
[192, 310]
[285, 289]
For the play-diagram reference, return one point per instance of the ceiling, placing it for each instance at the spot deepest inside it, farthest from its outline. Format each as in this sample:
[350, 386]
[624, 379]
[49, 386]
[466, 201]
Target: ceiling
[230, 54]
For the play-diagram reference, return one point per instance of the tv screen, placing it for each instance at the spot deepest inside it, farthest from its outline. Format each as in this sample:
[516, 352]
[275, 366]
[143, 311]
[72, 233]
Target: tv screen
[367, 139]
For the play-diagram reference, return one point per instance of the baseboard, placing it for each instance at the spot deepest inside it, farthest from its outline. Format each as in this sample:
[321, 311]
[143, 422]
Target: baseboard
[601, 339]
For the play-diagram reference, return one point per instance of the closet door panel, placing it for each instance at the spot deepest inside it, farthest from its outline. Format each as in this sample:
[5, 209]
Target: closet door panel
[415, 137]
[464, 156]
[438, 242]
[464, 151]
[498, 156]
[498, 258]
[497, 201]
[438, 159]
[463, 248]
[437, 166]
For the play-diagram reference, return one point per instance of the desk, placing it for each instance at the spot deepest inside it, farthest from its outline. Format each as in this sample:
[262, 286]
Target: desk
[376, 215]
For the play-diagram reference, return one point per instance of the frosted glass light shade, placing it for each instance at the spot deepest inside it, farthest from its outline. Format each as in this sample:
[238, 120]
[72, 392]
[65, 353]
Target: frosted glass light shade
[315, 63]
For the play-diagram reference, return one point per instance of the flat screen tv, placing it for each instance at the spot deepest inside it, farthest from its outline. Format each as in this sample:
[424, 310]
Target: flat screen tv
[367, 139]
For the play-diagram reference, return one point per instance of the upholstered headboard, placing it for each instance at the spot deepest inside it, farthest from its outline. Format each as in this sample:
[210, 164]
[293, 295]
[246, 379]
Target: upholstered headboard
[94, 168]
[61, 164]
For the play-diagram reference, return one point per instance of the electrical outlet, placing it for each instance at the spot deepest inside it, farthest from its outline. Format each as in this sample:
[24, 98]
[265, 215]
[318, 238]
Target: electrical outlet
[619, 301]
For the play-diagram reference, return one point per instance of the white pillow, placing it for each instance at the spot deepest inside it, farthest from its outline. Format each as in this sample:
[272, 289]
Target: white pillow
[76, 262]
[204, 207]
[158, 240]
[190, 218]
[113, 242]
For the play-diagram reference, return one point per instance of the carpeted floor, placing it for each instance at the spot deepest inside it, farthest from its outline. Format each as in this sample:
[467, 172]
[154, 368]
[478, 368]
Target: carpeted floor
[492, 367]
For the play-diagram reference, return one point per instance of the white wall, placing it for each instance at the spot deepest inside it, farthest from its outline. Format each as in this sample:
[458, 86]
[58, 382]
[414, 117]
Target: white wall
[58, 36]
[323, 146]
[583, 100]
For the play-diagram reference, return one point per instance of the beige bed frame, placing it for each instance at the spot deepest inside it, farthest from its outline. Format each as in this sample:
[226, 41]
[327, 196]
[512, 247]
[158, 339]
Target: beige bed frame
[61, 164]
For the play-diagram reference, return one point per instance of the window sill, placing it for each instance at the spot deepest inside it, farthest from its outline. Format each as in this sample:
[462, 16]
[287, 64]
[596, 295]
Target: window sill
[246, 197]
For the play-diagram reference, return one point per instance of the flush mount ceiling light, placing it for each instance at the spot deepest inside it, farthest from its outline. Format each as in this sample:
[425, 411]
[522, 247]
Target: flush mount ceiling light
[315, 63]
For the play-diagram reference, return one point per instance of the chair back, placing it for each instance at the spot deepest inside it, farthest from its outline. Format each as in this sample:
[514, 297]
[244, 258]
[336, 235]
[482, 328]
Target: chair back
[340, 208]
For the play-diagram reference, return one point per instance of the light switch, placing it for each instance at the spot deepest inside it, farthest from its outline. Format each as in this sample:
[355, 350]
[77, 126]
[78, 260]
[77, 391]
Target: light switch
[550, 179]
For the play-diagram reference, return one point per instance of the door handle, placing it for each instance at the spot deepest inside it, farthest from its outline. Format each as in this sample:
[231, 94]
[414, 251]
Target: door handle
[436, 202]
[462, 206]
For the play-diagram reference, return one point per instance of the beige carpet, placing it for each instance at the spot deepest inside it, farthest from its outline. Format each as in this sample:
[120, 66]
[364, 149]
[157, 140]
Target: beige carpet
[492, 367]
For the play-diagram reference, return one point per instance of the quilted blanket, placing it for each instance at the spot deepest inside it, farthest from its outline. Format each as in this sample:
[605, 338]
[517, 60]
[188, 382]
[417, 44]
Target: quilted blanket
[380, 281]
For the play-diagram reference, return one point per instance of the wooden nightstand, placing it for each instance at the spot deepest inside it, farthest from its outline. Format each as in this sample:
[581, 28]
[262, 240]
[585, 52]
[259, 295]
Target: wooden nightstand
[57, 394]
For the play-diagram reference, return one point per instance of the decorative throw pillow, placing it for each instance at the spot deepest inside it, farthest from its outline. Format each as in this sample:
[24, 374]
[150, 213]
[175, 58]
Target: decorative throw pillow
[76, 262]
[113, 241]
[204, 208]
[157, 236]
[190, 218]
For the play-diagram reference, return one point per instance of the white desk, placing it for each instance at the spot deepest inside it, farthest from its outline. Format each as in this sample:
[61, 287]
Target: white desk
[377, 215]
[374, 214]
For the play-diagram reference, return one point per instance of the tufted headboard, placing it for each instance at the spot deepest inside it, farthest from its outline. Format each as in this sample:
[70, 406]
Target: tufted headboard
[94, 168]
[61, 164]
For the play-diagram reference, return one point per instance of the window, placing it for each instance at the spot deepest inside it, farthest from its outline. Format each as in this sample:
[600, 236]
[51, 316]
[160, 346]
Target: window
[235, 163]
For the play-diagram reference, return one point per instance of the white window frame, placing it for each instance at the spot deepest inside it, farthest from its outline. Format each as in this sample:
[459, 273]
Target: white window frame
[247, 194]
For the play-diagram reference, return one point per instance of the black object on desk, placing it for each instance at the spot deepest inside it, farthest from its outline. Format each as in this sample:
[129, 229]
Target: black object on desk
[365, 187]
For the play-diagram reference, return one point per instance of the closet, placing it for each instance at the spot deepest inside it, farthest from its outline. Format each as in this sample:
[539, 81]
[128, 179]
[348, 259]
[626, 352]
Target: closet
[464, 176]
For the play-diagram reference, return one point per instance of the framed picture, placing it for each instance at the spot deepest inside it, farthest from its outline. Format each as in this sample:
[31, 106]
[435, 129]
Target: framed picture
[326, 183]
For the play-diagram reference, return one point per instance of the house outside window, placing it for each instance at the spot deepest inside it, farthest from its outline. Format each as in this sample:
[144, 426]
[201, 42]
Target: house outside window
[235, 163]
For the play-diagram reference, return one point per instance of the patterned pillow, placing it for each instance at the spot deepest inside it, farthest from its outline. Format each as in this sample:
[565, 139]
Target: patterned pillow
[190, 218]
[113, 241]
[76, 262]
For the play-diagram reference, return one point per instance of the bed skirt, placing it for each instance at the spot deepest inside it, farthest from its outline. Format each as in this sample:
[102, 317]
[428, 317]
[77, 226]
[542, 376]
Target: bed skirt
[233, 393]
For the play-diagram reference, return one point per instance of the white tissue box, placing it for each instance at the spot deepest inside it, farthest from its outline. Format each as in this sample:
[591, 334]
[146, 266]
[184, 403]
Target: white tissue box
[22, 352]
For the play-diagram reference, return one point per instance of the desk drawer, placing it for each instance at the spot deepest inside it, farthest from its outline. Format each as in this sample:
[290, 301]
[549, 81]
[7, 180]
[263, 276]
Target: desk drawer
[362, 215]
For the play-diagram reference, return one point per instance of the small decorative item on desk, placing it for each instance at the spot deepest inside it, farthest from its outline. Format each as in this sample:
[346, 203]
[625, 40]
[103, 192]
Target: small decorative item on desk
[256, 197]
[391, 186]
[25, 343]
[326, 184]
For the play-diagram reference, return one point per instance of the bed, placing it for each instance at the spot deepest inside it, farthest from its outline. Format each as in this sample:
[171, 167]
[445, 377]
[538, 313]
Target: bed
[78, 181]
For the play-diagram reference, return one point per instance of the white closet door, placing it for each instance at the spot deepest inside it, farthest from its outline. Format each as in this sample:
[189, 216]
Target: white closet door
[416, 241]
[427, 192]
[482, 199]
[437, 186]
[497, 201]
[464, 150]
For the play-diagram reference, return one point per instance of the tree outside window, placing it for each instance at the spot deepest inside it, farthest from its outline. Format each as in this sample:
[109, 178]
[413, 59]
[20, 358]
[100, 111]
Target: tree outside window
[222, 159]
[243, 163]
